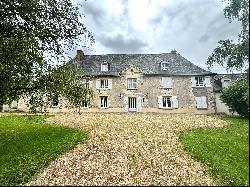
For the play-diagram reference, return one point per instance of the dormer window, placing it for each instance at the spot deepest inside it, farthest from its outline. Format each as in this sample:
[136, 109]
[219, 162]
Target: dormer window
[164, 65]
[104, 67]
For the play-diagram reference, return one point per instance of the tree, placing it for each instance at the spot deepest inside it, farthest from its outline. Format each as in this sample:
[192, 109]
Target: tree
[66, 82]
[32, 33]
[234, 56]
[235, 96]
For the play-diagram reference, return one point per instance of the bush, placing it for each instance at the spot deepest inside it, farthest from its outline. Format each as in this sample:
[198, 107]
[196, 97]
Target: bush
[236, 96]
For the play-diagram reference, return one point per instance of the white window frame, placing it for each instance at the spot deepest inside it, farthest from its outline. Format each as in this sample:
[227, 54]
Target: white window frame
[86, 104]
[53, 103]
[199, 81]
[86, 83]
[132, 83]
[104, 67]
[103, 104]
[226, 83]
[167, 100]
[164, 65]
[104, 83]
[201, 102]
[166, 82]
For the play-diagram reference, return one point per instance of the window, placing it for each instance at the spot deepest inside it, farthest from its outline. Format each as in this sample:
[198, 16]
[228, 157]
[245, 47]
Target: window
[166, 102]
[55, 101]
[132, 83]
[201, 102]
[104, 83]
[104, 102]
[199, 81]
[86, 83]
[104, 67]
[226, 83]
[84, 103]
[164, 65]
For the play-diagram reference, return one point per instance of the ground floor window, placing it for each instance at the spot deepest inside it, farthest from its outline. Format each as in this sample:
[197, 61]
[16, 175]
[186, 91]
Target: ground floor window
[104, 102]
[84, 103]
[166, 102]
[55, 101]
[201, 102]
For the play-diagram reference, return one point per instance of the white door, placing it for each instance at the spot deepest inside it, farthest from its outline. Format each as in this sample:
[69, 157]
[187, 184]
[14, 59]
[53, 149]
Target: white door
[132, 104]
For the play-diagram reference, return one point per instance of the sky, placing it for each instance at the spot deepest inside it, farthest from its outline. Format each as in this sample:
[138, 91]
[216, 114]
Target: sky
[191, 27]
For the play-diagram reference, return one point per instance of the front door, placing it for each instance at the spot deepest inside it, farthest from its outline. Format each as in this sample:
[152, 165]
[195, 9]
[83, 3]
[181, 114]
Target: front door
[132, 104]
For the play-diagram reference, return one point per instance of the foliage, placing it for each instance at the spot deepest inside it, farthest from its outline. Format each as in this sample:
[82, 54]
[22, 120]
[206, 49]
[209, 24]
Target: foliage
[28, 145]
[33, 33]
[236, 96]
[63, 82]
[229, 54]
[224, 150]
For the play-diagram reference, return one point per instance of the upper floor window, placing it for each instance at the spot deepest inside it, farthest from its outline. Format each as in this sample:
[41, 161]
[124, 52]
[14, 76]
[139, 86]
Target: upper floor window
[104, 83]
[166, 82]
[86, 83]
[132, 83]
[104, 67]
[199, 81]
[164, 65]
[226, 83]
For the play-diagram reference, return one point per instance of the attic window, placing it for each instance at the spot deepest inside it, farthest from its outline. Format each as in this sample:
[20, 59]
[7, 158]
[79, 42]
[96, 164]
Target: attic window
[164, 65]
[104, 67]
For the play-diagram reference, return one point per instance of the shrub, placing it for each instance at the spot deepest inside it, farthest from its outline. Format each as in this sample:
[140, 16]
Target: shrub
[236, 96]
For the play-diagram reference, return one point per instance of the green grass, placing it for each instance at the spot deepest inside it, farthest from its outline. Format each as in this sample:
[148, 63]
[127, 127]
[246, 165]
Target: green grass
[224, 150]
[27, 145]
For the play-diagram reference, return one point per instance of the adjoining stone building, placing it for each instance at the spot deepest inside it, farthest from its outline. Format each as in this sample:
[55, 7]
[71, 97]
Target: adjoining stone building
[164, 82]
[222, 81]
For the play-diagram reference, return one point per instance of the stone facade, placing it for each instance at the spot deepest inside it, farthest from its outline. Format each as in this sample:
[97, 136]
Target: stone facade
[149, 94]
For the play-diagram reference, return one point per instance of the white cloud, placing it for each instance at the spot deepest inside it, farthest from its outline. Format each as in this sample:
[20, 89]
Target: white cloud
[192, 27]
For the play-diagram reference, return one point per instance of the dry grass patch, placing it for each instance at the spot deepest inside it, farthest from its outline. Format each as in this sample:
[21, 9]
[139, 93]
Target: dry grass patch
[129, 149]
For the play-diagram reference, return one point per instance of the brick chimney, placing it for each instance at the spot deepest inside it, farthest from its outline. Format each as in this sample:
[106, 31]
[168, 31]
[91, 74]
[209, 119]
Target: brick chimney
[79, 55]
[173, 51]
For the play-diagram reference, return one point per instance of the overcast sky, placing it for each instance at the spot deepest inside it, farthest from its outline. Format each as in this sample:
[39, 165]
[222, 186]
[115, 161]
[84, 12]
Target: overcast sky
[192, 27]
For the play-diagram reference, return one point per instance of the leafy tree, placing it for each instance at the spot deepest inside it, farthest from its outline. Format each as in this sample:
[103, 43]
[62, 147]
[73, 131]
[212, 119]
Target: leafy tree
[228, 54]
[66, 82]
[237, 98]
[33, 32]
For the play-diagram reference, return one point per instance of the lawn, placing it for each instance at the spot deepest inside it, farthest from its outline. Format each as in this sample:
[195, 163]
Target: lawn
[225, 150]
[28, 145]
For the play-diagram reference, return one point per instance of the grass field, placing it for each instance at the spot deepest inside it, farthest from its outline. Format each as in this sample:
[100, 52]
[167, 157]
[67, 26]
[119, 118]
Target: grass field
[28, 145]
[224, 150]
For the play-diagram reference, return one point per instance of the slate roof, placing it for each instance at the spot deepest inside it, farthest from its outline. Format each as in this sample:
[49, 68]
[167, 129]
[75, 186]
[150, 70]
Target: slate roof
[150, 64]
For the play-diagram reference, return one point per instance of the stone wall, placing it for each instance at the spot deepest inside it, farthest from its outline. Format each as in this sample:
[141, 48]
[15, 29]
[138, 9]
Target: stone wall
[148, 88]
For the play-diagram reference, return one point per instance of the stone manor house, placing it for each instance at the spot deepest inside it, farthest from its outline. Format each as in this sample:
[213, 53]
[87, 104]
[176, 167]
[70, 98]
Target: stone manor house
[164, 82]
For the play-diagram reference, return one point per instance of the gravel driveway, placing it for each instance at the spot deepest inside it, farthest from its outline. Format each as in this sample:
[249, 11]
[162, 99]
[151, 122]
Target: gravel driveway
[128, 149]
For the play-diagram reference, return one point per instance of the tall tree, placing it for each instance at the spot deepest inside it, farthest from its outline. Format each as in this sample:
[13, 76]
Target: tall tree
[33, 32]
[234, 56]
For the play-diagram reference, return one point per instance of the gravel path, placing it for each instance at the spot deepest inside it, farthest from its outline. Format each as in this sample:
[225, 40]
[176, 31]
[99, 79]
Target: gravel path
[128, 149]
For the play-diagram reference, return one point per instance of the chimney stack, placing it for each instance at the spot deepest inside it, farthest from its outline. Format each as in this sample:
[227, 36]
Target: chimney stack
[173, 51]
[79, 55]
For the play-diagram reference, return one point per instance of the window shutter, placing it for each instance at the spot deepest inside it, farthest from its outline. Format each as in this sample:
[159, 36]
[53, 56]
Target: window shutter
[126, 103]
[174, 102]
[193, 81]
[138, 109]
[166, 82]
[203, 101]
[207, 81]
[98, 83]
[160, 101]
[198, 102]
[109, 83]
